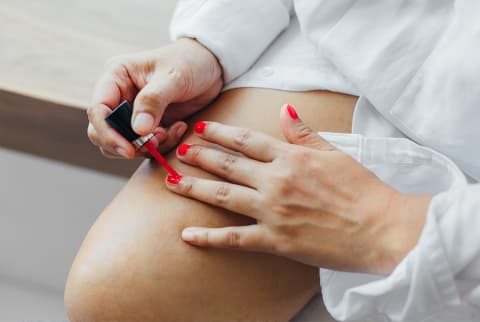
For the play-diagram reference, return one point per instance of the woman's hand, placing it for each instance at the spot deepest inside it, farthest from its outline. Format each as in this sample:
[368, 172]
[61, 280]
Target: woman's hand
[312, 202]
[165, 86]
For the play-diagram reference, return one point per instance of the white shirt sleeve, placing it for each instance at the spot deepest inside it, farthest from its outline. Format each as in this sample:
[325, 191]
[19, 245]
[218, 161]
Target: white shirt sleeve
[236, 31]
[456, 216]
[439, 280]
[417, 62]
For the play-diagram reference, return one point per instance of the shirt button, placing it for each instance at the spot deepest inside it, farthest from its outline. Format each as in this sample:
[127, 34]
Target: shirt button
[267, 71]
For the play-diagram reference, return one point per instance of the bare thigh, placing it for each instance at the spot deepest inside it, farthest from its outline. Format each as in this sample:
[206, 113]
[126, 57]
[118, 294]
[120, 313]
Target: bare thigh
[133, 266]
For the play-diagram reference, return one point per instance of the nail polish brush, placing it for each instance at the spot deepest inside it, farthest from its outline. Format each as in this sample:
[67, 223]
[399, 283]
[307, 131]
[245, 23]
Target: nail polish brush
[121, 119]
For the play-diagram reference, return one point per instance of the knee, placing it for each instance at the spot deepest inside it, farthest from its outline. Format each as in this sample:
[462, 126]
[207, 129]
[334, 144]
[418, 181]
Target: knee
[90, 298]
[117, 273]
[118, 279]
[81, 302]
[133, 266]
[101, 291]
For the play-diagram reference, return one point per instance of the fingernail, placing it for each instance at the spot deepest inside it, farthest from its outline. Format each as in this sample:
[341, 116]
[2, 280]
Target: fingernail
[121, 152]
[199, 127]
[143, 122]
[188, 234]
[291, 111]
[183, 148]
[174, 179]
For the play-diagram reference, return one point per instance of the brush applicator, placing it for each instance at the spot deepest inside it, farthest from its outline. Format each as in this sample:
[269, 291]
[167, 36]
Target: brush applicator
[121, 119]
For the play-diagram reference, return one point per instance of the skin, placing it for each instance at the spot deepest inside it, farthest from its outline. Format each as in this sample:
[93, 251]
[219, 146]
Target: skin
[133, 265]
[311, 202]
[166, 85]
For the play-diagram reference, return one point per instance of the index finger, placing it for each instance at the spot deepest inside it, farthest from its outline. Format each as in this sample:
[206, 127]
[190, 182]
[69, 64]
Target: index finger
[106, 136]
[113, 87]
[253, 144]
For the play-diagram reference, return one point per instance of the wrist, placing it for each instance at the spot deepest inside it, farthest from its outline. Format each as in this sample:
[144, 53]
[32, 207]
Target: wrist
[403, 223]
[205, 52]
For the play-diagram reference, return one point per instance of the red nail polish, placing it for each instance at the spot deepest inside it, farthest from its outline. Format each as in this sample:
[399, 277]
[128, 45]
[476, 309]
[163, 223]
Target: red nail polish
[183, 148]
[200, 127]
[292, 112]
[174, 179]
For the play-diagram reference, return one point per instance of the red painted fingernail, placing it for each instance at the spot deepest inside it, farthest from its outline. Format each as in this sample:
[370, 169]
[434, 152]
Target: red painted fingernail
[174, 179]
[183, 148]
[200, 127]
[291, 111]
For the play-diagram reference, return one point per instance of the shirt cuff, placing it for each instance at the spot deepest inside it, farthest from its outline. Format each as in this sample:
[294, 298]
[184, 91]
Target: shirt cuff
[423, 286]
[236, 32]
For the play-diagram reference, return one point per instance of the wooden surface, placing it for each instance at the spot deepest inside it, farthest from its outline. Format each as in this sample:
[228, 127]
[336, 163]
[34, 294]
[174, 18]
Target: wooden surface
[51, 53]
[26, 125]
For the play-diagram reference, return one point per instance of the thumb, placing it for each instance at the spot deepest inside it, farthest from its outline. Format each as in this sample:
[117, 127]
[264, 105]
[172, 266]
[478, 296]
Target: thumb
[297, 132]
[152, 101]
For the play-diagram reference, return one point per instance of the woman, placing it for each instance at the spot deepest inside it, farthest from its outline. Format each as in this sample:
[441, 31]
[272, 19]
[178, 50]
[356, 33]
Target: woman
[397, 57]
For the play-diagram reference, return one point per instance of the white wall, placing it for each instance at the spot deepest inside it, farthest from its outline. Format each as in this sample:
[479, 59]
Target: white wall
[46, 208]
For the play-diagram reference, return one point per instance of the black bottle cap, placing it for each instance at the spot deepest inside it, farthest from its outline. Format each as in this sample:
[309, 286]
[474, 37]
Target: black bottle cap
[121, 120]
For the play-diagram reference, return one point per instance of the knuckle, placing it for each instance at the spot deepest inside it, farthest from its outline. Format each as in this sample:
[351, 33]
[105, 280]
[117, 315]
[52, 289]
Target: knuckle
[105, 153]
[91, 113]
[109, 141]
[233, 239]
[282, 183]
[222, 193]
[281, 211]
[149, 98]
[282, 190]
[181, 79]
[116, 63]
[175, 74]
[303, 133]
[227, 163]
[242, 137]
[96, 114]
[92, 133]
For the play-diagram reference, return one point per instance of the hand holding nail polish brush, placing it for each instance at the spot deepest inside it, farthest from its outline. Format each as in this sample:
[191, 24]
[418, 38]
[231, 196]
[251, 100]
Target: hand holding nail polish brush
[120, 119]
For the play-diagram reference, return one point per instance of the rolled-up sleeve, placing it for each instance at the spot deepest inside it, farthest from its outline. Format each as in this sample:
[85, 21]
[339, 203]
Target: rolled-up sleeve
[417, 62]
[439, 280]
[237, 32]
[456, 216]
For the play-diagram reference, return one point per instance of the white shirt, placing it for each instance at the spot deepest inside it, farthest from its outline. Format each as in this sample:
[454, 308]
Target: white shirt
[415, 65]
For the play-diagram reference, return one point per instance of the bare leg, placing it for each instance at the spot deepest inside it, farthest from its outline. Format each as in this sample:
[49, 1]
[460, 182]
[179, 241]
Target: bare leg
[133, 266]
